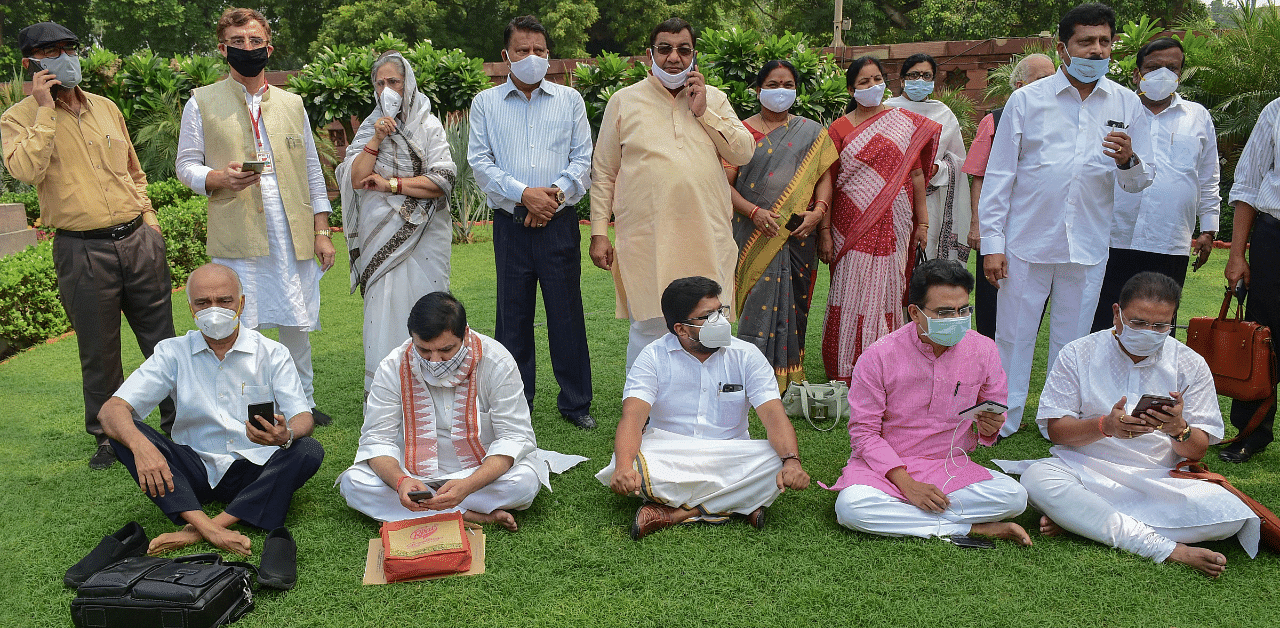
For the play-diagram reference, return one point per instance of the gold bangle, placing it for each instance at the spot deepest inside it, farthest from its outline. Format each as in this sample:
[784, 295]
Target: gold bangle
[328, 233]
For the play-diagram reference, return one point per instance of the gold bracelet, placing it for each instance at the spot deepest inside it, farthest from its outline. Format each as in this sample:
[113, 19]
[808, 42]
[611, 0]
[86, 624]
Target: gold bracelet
[328, 233]
[395, 185]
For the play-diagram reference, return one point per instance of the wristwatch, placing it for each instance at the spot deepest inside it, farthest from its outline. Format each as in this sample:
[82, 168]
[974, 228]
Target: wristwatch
[1133, 161]
[1186, 433]
[289, 442]
[559, 195]
[328, 233]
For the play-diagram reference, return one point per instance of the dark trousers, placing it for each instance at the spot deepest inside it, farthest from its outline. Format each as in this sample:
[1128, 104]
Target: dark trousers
[984, 302]
[256, 495]
[99, 279]
[1122, 265]
[550, 256]
[1262, 307]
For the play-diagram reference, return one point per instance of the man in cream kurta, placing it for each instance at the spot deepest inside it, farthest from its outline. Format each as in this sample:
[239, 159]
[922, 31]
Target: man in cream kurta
[473, 444]
[657, 172]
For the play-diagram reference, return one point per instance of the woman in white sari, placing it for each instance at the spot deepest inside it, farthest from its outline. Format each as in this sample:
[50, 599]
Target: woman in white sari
[948, 192]
[395, 185]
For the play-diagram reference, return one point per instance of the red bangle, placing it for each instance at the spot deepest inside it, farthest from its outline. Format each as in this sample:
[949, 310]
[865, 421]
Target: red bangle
[370, 151]
[400, 481]
[752, 215]
[1104, 432]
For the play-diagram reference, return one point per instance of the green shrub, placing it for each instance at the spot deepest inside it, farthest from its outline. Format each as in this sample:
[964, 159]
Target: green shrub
[185, 225]
[30, 311]
[167, 192]
[597, 83]
[29, 198]
[732, 58]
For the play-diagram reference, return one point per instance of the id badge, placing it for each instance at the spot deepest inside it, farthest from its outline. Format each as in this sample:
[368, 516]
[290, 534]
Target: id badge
[268, 167]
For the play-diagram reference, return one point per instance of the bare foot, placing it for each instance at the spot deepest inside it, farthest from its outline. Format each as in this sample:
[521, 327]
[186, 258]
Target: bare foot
[1049, 528]
[1006, 530]
[1208, 562]
[170, 541]
[500, 517]
[230, 540]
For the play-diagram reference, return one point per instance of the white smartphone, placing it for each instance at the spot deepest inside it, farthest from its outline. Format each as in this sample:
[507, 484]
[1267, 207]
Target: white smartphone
[983, 406]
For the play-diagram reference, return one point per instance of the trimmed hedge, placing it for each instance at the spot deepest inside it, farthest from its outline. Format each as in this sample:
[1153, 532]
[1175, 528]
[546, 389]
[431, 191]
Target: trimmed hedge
[30, 310]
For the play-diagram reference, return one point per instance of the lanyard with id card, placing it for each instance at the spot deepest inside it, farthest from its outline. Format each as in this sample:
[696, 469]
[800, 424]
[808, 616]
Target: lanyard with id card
[263, 162]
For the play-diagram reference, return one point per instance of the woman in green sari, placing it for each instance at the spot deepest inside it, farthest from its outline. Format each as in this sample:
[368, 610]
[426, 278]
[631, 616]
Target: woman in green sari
[778, 202]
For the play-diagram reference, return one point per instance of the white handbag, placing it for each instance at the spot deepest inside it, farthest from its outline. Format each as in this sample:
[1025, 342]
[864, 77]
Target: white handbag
[818, 402]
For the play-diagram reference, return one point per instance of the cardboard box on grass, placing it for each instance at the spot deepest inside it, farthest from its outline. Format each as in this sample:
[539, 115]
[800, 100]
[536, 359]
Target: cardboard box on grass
[373, 573]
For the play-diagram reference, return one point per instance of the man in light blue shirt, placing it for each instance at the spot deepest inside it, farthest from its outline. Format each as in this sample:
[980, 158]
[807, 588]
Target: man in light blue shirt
[530, 151]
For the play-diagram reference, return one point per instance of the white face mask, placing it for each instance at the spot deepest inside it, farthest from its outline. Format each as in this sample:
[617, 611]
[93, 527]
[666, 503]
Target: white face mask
[1158, 84]
[777, 100]
[1140, 342]
[217, 322]
[671, 81]
[530, 70]
[715, 332]
[390, 102]
[871, 96]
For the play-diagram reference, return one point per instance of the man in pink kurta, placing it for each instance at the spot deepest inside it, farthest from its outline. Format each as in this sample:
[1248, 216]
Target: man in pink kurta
[909, 473]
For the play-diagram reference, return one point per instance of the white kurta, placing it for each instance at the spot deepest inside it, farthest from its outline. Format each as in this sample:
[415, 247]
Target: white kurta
[1132, 475]
[948, 195]
[505, 429]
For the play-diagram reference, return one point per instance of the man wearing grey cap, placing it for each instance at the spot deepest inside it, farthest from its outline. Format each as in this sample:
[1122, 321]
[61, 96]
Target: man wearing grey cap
[108, 253]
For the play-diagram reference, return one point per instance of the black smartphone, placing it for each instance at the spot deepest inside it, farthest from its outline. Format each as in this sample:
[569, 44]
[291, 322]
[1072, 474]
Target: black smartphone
[417, 496]
[264, 410]
[795, 222]
[36, 66]
[253, 166]
[1150, 402]
[520, 213]
[972, 542]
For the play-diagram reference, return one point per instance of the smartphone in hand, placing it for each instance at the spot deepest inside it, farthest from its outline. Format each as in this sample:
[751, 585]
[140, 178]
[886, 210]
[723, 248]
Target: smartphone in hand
[264, 410]
[253, 166]
[795, 222]
[419, 496]
[1152, 402]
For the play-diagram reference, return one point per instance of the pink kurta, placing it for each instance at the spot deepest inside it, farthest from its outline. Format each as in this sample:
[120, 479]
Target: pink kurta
[905, 406]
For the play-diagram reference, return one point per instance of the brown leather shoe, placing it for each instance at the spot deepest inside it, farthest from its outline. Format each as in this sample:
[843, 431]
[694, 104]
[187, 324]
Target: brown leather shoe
[650, 518]
[756, 518]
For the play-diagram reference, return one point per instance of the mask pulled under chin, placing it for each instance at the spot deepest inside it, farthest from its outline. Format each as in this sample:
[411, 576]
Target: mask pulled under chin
[671, 81]
[247, 63]
[531, 69]
[217, 322]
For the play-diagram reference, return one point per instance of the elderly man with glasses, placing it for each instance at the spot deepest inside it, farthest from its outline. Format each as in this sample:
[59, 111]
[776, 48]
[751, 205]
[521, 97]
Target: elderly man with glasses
[657, 174]
[1124, 406]
[682, 442]
[916, 401]
[74, 148]
[249, 147]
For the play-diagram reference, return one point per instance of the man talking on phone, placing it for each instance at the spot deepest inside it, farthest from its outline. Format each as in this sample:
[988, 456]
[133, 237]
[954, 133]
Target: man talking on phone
[249, 147]
[1108, 478]
[916, 411]
[657, 173]
[218, 452]
[108, 253]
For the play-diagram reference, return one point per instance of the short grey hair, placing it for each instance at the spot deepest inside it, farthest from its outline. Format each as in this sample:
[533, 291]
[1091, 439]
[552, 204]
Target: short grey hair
[389, 56]
[1020, 71]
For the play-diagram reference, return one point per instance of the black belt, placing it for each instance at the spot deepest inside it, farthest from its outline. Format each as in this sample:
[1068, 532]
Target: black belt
[116, 232]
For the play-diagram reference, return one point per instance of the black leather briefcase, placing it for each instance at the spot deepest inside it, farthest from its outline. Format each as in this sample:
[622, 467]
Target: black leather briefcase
[197, 591]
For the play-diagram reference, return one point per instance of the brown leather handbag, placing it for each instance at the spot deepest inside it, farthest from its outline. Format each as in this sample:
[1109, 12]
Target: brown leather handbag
[1241, 357]
[1190, 470]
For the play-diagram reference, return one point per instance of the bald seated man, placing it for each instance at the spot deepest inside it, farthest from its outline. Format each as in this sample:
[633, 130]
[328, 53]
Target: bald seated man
[218, 453]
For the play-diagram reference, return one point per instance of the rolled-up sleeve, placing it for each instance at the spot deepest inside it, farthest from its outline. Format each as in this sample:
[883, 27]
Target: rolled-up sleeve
[868, 401]
[28, 146]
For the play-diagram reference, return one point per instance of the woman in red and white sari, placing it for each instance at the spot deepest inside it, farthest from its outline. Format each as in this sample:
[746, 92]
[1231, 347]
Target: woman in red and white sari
[878, 217]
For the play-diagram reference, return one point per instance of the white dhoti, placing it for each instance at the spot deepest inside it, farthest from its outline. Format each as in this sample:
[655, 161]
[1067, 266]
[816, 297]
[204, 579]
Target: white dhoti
[1057, 490]
[513, 490]
[1073, 292]
[869, 509]
[715, 477]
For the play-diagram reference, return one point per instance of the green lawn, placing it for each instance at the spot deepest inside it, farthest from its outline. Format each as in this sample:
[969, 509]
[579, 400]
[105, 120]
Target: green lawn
[572, 563]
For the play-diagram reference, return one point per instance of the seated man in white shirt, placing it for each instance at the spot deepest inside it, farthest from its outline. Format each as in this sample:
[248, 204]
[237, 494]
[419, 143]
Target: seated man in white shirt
[683, 433]
[1108, 479]
[461, 394]
[217, 453]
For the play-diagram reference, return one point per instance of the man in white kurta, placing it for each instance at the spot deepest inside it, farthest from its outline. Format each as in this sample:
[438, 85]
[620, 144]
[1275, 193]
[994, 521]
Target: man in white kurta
[683, 431]
[657, 173]
[1062, 146]
[1108, 479]
[447, 415]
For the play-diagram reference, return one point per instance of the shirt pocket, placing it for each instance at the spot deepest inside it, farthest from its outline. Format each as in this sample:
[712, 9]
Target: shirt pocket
[732, 408]
[557, 137]
[117, 155]
[250, 395]
[292, 143]
[1184, 151]
[966, 397]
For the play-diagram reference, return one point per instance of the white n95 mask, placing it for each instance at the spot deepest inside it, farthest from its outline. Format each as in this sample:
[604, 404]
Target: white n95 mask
[217, 322]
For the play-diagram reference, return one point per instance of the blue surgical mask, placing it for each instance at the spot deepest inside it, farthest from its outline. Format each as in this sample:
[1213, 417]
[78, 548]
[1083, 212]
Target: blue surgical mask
[917, 90]
[1087, 70]
[947, 332]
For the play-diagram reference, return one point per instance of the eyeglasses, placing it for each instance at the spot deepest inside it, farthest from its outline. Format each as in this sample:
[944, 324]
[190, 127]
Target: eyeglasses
[666, 49]
[1160, 328]
[918, 76]
[723, 310]
[54, 50]
[395, 83]
[950, 312]
[239, 42]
